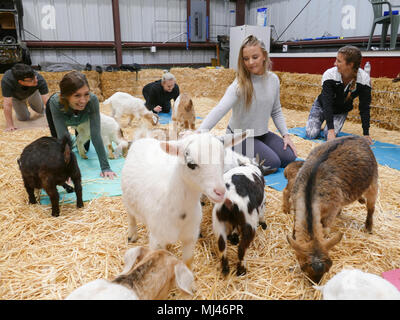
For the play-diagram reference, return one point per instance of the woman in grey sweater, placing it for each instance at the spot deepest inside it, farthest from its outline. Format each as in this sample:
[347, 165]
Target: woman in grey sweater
[254, 99]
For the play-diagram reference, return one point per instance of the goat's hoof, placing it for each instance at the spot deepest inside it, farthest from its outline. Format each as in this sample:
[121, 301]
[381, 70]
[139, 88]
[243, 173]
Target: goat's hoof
[132, 239]
[263, 225]
[241, 271]
[225, 270]
[32, 201]
[79, 204]
[233, 238]
[55, 214]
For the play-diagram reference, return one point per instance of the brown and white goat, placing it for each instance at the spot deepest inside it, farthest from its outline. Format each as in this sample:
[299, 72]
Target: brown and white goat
[335, 174]
[290, 174]
[183, 115]
[148, 275]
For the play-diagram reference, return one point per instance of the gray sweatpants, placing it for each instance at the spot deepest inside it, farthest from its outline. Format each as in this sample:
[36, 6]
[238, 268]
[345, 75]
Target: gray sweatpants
[316, 118]
[21, 109]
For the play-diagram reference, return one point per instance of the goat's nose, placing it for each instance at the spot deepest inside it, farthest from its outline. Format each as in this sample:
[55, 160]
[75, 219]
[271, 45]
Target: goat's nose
[219, 192]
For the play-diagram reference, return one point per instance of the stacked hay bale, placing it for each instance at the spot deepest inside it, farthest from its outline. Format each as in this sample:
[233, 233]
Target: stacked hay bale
[125, 81]
[203, 82]
[299, 90]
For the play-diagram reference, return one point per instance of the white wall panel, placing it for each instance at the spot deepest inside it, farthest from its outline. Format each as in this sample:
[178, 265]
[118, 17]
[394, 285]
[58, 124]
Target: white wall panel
[319, 17]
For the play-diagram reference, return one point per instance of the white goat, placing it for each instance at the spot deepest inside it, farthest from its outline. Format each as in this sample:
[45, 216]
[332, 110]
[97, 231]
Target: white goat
[123, 103]
[358, 285]
[162, 182]
[110, 132]
[151, 278]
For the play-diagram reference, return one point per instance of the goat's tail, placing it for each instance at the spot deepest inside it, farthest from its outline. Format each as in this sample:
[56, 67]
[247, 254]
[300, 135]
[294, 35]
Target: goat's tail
[19, 162]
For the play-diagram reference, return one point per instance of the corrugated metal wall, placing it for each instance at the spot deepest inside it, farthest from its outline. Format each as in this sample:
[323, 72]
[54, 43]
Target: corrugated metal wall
[343, 18]
[141, 20]
[165, 20]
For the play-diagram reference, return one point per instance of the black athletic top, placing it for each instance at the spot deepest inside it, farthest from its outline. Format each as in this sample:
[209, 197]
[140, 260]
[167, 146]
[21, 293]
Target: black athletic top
[334, 93]
[10, 86]
[155, 95]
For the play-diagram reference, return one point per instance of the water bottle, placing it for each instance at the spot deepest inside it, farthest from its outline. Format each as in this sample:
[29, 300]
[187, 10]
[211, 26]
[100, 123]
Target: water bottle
[367, 68]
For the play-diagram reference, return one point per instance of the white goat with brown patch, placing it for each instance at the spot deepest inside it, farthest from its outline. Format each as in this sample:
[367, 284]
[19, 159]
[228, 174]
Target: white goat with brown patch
[335, 174]
[150, 279]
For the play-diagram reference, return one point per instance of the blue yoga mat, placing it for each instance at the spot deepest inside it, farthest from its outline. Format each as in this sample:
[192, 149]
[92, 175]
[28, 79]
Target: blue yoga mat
[277, 180]
[165, 118]
[93, 185]
[386, 154]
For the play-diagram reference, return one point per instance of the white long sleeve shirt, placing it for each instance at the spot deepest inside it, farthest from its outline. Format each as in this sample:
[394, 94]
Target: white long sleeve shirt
[265, 105]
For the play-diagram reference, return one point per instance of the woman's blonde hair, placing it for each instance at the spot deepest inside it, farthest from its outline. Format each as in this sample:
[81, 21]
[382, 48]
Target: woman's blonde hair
[243, 75]
[352, 55]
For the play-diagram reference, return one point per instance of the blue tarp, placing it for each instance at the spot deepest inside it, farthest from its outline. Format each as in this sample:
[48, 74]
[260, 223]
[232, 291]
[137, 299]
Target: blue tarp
[386, 154]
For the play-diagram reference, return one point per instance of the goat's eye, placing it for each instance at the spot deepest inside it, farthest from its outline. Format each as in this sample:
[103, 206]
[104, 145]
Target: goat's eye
[192, 165]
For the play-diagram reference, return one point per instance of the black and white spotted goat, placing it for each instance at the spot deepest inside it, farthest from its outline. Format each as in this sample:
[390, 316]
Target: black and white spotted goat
[238, 216]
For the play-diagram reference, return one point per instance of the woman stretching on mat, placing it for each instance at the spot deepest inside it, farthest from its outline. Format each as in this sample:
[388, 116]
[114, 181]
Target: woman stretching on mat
[158, 94]
[254, 99]
[340, 86]
[73, 105]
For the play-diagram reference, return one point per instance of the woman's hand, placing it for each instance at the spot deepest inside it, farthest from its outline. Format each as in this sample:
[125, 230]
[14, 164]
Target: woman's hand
[288, 142]
[157, 109]
[108, 174]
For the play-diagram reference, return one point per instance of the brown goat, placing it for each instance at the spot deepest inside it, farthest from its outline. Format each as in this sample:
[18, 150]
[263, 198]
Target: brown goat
[290, 174]
[335, 174]
[154, 273]
[183, 115]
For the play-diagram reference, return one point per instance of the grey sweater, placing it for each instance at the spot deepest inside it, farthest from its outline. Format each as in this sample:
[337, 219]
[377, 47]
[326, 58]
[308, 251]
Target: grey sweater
[265, 105]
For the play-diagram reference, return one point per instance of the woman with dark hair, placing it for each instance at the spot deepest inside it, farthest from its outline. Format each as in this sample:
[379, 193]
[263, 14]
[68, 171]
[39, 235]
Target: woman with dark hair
[73, 105]
[254, 99]
[340, 86]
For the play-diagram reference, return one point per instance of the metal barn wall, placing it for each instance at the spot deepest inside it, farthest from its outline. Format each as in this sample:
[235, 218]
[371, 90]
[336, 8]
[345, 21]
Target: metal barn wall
[141, 21]
[318, 17]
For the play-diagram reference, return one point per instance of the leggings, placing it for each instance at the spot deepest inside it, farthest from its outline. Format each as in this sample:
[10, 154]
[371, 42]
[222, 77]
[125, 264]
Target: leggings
[315, 119]
[269, 147]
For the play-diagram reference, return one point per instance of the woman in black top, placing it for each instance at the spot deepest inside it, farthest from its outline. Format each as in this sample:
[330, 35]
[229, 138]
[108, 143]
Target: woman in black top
[340, 86]
[158, 94]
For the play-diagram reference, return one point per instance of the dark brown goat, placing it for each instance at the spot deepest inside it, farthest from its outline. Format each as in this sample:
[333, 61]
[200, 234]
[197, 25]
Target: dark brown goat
[46, 163]
[335, 174]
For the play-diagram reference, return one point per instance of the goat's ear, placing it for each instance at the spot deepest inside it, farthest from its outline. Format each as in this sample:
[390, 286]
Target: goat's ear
[294, 244]
[230, 140]
[131, 256]
[184, 278]
[171, 147]
[328, 244]
[67, 153]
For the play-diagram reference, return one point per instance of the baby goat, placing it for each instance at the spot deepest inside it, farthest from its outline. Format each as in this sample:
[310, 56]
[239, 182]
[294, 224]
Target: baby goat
[183, 115]
[150, 279]
[110, 132]
[242, 210]
[162, 182]
[335, 174]
[290, 174]
[123, 103]
[46, 163]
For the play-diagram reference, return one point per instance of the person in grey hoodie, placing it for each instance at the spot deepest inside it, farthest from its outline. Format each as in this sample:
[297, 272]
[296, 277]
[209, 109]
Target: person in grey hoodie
[254, 98]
